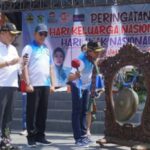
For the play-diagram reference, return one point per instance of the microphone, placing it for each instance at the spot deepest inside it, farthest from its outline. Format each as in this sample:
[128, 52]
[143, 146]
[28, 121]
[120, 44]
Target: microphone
[75, 63]
[25, 57]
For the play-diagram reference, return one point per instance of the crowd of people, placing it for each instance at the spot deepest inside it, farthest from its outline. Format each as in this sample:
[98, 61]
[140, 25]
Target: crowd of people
[37, 70]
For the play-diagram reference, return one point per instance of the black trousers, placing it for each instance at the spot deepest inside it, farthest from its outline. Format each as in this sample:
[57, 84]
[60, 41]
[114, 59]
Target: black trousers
[37, 103]
[7, 96]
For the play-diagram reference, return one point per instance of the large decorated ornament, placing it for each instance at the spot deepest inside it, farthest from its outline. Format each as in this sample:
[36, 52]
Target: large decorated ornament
[126, 133]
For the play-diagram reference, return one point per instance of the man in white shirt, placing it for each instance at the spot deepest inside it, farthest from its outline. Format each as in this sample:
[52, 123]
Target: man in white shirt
[39, 82]
[8, 80]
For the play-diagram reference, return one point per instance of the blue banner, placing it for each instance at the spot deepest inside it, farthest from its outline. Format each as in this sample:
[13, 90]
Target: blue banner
[112, 26]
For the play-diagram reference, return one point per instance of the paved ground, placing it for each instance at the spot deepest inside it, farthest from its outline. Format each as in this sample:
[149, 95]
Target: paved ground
[63, 141]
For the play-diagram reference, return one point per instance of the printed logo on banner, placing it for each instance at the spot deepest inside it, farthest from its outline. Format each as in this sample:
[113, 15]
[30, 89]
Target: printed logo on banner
[65, 17]
[80, 17]
[52, 17]
[30, 18]
[40, 18]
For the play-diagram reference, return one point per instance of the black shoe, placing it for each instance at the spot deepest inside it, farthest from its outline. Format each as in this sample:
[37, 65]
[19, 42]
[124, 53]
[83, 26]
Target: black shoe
[31, 143]
[43, 142]
[2, 145]
[5, 144]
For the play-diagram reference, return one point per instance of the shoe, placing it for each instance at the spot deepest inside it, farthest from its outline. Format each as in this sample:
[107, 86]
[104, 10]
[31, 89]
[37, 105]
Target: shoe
[43, 141]
[80, 143]
[87, 140]
[2, 145]
[24, 132]
[5, 144]
[31, 143]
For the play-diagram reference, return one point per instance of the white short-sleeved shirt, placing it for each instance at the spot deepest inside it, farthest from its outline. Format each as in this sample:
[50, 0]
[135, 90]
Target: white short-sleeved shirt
[8, 74]
[39, 64]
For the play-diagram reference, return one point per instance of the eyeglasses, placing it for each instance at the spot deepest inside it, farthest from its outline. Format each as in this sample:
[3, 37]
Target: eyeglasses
[43, 34]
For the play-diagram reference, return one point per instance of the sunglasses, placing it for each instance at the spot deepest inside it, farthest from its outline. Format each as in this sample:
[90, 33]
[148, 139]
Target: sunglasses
[43, 34]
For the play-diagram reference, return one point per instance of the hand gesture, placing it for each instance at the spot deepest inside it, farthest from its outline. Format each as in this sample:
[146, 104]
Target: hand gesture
[13, 61]
[29, 88]
[77, 74]
[25, 59]
[52, 89]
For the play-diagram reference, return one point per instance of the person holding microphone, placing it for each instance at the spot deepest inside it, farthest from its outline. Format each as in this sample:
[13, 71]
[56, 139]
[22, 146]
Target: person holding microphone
[80, 82]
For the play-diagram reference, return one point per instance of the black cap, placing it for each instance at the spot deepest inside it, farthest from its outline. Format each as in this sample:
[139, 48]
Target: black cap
[94, 46]
[10, 27]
